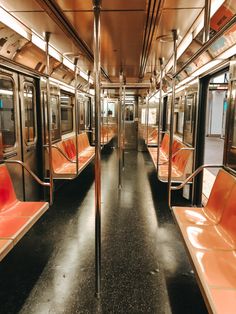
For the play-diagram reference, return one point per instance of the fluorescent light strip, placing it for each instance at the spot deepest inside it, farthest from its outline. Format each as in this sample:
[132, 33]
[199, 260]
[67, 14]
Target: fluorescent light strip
[54, 53]
[38, 41]
[83, 75]
[63, 86]
[228, 53]
[6, 92]
[206, 67]
[13, 24]
[68, 64]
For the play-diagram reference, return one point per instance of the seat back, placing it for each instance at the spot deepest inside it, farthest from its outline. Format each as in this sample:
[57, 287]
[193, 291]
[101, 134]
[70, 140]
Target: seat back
[181, 160]
[69, 147]
[228, 218]
[7, 192]
[219, 194]
[57, 158]
[165, 144]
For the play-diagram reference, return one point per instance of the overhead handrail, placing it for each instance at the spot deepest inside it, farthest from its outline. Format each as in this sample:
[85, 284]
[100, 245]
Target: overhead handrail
[196, 172]
[176, 153]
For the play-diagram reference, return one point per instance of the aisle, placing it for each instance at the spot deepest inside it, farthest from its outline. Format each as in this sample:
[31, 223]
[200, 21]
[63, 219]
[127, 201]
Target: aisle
[144, 265]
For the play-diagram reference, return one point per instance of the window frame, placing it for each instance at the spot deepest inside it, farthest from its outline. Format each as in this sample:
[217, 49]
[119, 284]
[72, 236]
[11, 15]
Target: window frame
[8, 150]
[71, 106]
[193, 118]
[35, 113]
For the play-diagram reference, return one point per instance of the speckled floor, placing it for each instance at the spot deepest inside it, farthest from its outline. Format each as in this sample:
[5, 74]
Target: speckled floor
[144, 265]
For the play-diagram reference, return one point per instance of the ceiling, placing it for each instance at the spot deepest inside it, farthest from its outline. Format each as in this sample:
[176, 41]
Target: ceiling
[131, 31]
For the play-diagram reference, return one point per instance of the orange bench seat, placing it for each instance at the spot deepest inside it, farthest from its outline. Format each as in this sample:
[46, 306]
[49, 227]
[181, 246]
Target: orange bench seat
[181, 160]
[16, 217]
[210, 236]
[63, 167]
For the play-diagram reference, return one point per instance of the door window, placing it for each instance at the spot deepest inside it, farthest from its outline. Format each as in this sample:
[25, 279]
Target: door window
[66, 114]
[29, 112]
[129, 112]
[7, 113]
[189, 117]
[55, 117]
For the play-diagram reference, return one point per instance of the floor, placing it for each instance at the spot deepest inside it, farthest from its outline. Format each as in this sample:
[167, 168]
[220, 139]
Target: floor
[145, 268]
[214, 150]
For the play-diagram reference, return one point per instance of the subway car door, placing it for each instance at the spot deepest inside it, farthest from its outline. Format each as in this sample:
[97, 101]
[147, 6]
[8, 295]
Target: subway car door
[131, 125]
[29, 135]
[10, 126]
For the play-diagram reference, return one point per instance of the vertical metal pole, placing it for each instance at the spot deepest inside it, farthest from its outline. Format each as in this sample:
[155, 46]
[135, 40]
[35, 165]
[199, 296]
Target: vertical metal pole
[175, 37]
[77, 115]
[107, 120]
[159, 115]
[120, 132]
[207, 17]
[47, 36]
[102, 123]
[147, 119]
[123, 130]
[97, 74]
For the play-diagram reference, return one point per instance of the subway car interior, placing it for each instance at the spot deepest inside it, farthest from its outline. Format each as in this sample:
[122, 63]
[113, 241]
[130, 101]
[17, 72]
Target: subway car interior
[118, 156]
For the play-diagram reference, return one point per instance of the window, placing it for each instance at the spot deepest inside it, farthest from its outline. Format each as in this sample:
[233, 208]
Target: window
[7, 113]
[55, 118]
[129, 112]
[189, 117]
[66, 113]
[29, 109]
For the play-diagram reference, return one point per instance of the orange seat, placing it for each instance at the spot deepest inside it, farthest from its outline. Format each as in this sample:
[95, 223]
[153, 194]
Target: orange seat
[212, 212]
[16, 217]
[221, 236]
[210, 237]
[181, 160]
[64, 167]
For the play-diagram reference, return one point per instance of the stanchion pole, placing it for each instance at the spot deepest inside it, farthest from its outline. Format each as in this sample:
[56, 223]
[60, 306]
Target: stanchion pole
[159, 115]
[49, 122]
[120, 133]
[77, 115]
[174, 32]
[97, 74]
[123, 130]
[207, 19]
[147, 119]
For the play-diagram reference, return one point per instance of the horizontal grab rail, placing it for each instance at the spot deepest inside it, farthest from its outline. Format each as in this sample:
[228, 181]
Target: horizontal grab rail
[19, 162]
[61, 152]
[196, 172]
